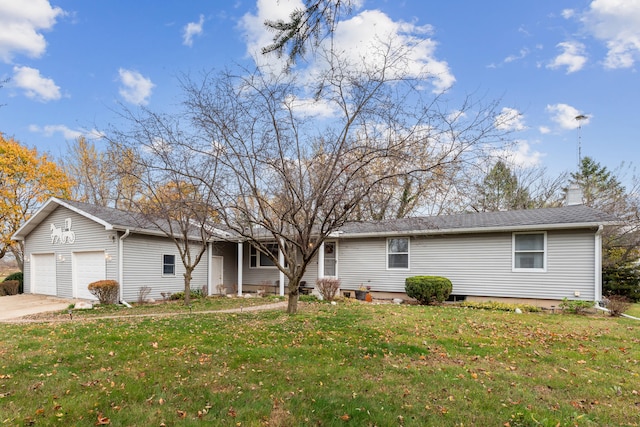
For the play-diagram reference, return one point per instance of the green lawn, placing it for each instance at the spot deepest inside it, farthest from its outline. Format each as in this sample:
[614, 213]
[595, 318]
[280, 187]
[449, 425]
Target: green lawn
[350, 364]
[634, 310]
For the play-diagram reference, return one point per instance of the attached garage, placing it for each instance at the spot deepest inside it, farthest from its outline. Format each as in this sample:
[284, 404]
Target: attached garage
[43, 274]
[87, 267]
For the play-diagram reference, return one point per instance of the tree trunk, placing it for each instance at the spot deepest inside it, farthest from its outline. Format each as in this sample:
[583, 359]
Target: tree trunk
[292, 306]
[187, 286]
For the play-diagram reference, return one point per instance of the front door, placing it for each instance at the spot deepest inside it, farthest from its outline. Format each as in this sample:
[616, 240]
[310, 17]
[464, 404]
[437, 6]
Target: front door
[217, 276]
[330, 259]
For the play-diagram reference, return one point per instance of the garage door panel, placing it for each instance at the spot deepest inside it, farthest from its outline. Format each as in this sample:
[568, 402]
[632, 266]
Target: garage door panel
[88, 267]
[43, 274]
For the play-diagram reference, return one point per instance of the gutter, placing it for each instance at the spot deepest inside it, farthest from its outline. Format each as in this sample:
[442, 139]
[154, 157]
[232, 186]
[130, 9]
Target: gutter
[468, 230]
[121, 266]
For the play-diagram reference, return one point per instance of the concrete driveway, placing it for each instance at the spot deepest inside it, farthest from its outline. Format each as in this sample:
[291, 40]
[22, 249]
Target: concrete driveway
[14, 306]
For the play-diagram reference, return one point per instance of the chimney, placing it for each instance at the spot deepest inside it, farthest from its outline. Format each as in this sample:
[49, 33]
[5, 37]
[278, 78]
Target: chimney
[574, 195]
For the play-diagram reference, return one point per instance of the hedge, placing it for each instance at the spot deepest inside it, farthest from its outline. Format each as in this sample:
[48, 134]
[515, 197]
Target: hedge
[428, 289]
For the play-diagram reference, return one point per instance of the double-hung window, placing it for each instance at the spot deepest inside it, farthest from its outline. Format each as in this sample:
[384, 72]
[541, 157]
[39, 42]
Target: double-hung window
[398, 253]
[168, 265]
[530, 251]
[259, 259]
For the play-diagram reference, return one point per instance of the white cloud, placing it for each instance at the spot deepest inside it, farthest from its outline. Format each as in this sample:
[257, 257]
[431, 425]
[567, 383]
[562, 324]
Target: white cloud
[568, 13]
[135, 88]
[21, 23]
[35, 86]
[310, 107]
[544, 130]
[191, 30]
[520, 155]
[361, 39]
[565, 116]
[67, 133]
[573, 57]
[510, 119]
[617, 24]
[521, 55]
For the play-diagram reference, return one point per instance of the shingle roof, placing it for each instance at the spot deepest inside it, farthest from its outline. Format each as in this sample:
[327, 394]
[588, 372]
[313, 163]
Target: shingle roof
[577, 216]
[110, 218]
[117, 218]
[564, 217]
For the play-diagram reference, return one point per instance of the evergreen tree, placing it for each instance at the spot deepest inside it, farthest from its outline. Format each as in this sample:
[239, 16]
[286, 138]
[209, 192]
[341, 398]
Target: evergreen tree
[501, 191]
[602, 190]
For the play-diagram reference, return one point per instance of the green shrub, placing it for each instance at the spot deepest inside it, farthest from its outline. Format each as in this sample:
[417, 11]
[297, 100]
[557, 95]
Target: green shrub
[105, 290]
[622, 280]
[194, 294]
[500, 306]
[576, 306]
[19, 277]
[308, 298]
[428, 289]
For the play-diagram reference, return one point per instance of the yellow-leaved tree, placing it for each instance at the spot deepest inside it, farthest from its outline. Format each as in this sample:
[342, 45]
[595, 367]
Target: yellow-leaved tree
[27, 180]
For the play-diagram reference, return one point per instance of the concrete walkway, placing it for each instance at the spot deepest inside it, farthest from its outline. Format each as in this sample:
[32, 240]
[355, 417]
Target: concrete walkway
[14, 306]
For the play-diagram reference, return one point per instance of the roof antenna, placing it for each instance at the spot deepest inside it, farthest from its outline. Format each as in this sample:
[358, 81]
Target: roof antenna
[580, 118]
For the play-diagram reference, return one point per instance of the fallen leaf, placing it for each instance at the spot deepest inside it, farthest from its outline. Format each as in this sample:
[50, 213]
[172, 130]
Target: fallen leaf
[102, 421]
[181, 414]
[345, 417]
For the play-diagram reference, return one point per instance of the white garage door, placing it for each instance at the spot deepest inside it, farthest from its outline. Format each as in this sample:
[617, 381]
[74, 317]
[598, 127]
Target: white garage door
[87, 267]
[43, 274]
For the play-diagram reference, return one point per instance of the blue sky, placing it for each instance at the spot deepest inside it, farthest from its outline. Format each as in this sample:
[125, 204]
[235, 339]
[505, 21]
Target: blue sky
[71, 63]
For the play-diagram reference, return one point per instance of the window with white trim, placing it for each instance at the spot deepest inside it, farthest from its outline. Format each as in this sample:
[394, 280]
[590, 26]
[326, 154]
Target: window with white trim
[258, 259]
[529, 251]
[330, 259]
[168, 265]
[398, 253]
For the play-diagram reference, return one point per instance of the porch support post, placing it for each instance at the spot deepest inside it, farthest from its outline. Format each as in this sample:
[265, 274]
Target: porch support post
[321, 261]
[239, 269]
[281, 262]
[209, 267]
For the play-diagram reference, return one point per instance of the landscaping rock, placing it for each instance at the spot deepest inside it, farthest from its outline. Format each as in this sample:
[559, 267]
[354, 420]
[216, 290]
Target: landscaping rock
[83, 305]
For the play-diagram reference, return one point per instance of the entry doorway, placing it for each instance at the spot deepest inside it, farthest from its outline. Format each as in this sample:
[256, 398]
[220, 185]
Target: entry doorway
[217, 274]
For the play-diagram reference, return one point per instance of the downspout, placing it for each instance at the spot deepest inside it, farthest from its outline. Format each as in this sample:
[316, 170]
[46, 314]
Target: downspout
[598, 307]
[121, 266]
[598, 264]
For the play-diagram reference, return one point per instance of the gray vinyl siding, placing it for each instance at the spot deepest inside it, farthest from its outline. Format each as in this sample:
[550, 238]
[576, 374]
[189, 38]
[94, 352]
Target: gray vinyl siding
[143, 261]
[229, 252]
[89, 236]
[478, 264]
[257, 275]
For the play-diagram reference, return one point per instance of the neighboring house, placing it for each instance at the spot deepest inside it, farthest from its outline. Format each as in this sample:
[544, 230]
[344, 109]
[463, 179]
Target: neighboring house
[540, 255]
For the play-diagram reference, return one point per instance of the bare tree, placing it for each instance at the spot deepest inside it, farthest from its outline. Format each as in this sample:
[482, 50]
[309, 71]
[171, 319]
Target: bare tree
[164, 163]
[292, 178]
[99, 173]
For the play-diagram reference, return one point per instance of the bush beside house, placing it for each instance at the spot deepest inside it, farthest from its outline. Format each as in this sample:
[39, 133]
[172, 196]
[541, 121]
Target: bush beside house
[428, 289]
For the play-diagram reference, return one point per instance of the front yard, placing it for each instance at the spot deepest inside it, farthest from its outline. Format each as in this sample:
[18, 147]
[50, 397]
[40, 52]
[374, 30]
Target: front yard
[348, 364]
